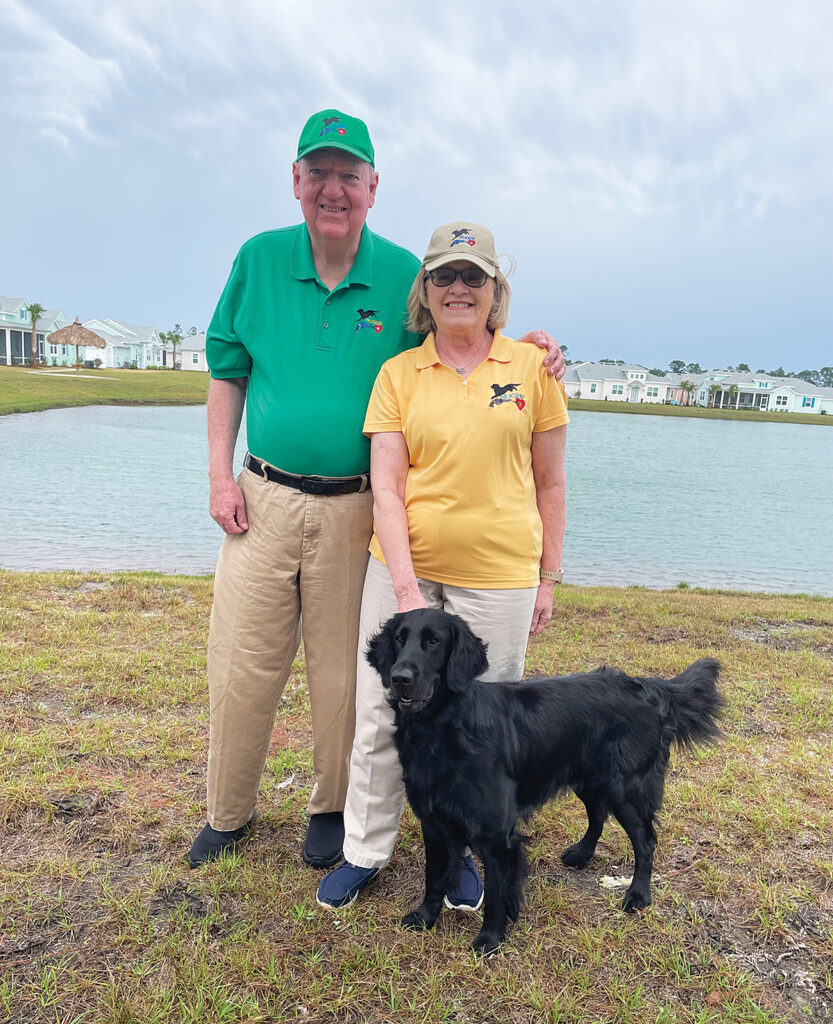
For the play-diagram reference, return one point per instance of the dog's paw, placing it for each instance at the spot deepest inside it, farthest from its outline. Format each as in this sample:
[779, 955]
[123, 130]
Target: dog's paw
[417, 921]
[577, 856]
[487, 942]
[635, 900]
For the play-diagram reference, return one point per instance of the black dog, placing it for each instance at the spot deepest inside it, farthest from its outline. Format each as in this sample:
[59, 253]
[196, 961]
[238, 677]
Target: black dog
[477, 756]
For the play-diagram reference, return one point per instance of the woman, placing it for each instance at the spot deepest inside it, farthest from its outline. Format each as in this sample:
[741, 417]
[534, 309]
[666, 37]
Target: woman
[467, 468]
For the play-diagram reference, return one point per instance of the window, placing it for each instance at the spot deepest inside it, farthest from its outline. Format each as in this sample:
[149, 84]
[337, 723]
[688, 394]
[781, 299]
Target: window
[53, 350]
[763, 383]
[592, 389]
[652, 392]
[195, 358]
[807, 403]
[617, 389]
[780, 400]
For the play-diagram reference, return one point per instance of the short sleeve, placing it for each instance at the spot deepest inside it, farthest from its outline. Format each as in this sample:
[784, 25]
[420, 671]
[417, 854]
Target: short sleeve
[226, 354]
[383, 410]
[553, 409]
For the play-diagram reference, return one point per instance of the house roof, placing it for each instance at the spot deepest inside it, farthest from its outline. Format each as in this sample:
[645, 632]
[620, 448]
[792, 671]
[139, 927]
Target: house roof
[192, 343]
[116, 332]
[750, 380]
[577, 372]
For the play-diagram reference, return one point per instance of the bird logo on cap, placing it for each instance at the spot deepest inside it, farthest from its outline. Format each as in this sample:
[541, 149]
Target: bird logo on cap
[462, 235]
[332, 124]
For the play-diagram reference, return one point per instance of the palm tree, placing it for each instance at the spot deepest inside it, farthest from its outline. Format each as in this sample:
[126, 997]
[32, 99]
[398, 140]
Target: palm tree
[688, 387]
[714, 391]
[733, 393]
[172, 338]
[36, 311]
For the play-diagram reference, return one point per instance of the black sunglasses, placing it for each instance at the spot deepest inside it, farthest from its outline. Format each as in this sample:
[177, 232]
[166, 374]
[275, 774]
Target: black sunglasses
[472, 277]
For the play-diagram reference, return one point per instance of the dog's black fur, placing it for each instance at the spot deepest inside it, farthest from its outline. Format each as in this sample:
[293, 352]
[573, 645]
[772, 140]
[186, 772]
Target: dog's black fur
[477, 757]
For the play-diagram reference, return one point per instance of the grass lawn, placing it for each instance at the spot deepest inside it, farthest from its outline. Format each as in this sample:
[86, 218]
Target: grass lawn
[103, 721]
[21, 390]
[650, 409]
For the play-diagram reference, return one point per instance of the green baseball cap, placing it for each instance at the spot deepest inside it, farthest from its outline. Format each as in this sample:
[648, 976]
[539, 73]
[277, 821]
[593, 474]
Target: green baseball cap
[330, 129]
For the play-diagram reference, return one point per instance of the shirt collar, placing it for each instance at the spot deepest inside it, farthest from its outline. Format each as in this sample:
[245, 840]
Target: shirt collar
[500, 351]
[302, 265]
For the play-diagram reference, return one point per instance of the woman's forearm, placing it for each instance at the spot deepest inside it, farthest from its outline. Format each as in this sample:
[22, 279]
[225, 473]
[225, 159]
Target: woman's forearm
[552, 509]
[389, 464]
[548, 450]
[391, 523]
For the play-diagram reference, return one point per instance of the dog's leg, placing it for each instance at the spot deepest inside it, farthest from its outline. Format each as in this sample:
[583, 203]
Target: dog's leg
[577, 855]
[639, 825]
[437, 865]
[505, 867]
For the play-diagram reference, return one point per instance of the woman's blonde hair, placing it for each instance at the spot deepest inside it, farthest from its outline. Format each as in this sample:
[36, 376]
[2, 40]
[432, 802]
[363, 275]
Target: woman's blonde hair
[420, 320]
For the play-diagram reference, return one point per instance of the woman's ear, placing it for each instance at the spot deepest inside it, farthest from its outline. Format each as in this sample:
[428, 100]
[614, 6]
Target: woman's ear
[381, 653]
[467, 659]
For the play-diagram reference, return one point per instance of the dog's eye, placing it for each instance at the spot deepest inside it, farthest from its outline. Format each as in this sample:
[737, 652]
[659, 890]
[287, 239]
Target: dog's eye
[432, 641]
[399, 639]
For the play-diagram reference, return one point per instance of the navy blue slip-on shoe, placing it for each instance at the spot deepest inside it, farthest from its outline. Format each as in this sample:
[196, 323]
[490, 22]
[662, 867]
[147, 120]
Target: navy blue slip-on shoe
[343, 884]
[211, 843]
[467, 893]
[324, 839]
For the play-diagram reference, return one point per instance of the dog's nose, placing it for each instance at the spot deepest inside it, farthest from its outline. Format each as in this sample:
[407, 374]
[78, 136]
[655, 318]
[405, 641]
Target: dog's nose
[402, 678]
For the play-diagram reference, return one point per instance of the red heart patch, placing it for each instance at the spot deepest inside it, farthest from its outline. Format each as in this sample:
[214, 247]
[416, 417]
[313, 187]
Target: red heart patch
[520, 403]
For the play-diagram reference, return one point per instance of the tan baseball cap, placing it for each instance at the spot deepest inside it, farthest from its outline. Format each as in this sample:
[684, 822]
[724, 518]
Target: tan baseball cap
[462, 240]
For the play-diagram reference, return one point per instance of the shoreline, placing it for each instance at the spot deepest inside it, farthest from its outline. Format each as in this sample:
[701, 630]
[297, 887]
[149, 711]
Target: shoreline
[22, 391]
[681, 587]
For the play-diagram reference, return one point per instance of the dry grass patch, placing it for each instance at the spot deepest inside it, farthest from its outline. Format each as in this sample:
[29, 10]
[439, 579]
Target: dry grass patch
[103, 724]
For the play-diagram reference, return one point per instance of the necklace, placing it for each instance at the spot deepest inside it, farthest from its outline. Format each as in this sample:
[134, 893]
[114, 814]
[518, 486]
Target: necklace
[462, 369]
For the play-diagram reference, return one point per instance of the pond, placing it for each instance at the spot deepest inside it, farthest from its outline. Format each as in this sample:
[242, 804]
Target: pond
[652, 500]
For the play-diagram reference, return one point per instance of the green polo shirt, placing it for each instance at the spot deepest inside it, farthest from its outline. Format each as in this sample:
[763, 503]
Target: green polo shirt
[311, 355]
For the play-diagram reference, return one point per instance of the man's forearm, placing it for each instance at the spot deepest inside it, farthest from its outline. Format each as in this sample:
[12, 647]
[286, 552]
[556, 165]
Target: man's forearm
[224, 411]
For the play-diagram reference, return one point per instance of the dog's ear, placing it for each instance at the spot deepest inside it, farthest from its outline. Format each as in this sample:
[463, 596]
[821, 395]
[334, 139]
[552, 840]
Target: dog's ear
[467, 659]
[381, 653]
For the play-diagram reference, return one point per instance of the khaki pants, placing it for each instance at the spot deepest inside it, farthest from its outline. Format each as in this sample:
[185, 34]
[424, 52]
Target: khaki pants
[501, 618]
[302, 555]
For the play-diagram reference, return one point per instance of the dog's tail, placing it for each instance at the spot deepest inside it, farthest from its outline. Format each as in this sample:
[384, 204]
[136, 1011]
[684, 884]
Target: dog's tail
[696, 704]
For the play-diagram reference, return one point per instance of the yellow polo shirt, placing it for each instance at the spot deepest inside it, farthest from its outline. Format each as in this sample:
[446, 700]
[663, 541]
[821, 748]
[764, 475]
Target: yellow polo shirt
[470, 494]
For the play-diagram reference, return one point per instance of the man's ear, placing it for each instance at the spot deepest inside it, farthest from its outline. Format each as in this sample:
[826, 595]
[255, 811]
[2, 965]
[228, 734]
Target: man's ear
[381, 653]
[467, 659]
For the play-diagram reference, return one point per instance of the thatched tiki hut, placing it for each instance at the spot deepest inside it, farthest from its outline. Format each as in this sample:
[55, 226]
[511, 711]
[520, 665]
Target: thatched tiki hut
[76, 334]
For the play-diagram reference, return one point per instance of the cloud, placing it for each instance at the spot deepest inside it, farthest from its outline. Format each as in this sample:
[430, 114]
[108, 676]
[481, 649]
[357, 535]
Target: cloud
[606, 123]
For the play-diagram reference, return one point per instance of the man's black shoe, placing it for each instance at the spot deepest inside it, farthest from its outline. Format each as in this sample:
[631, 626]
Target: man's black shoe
[325, 838]
[211, 843]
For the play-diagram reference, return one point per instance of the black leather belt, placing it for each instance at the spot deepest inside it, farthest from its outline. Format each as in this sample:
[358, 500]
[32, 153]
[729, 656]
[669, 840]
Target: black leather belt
[326, 486]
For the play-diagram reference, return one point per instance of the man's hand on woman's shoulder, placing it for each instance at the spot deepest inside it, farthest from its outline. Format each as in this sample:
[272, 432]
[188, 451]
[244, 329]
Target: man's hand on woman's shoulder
[554, 359]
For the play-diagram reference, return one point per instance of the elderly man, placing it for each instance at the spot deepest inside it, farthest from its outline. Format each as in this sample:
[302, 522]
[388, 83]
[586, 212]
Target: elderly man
[306, 319]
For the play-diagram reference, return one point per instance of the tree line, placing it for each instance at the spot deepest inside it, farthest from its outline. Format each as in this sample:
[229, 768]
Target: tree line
[822, 378]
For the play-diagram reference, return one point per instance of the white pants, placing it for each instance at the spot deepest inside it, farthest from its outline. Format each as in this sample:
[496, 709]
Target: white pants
[501, 618]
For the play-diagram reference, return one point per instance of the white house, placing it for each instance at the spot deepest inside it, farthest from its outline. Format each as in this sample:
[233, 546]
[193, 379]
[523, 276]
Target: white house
[16, 340]
[731, 390]
[127, 345]
[627, 382]
[190, 353]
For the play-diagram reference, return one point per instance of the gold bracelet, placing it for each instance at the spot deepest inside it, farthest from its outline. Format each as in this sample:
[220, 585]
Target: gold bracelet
[551, 574]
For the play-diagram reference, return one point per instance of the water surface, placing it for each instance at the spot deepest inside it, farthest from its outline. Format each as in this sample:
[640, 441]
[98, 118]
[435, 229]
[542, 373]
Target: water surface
[652, 500]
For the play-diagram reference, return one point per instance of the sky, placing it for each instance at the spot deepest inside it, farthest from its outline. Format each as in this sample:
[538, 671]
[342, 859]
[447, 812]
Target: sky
[661, 173]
